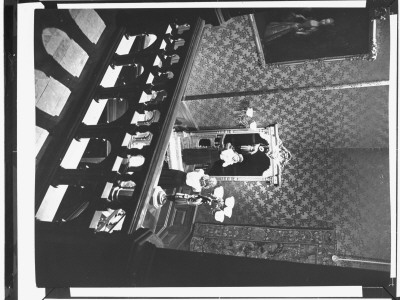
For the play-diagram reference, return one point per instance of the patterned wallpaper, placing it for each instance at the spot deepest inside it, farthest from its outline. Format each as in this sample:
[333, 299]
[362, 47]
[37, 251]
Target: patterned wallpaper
[227, 62]
[351, 118]
[339, 139]
[346, 188]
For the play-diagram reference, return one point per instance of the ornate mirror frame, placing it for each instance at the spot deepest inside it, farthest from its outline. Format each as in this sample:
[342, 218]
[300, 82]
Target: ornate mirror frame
[278, 154]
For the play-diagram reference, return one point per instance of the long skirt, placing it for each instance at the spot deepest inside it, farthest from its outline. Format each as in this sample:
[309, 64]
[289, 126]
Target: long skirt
[276, 30]
[204, 156]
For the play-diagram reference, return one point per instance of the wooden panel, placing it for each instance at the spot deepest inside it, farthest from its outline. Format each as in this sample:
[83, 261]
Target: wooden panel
[179, 218]
[175, 225]
[168, 237]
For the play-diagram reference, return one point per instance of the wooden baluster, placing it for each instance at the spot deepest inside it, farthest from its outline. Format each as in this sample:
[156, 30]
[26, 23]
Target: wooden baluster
[136, 162]
[125, 151]
[146, 56]
[162, 78]
[158, 97]
[136, 177]
[168, 60]
[180, 29]
[138, 142]
[154, 118]
[122, 195]
[118, 91]
[179, 43]
[110, 130]
[143, 57]
[153, 103]
[135, 89]
[171, 44]
[146, 29]
[164, 45]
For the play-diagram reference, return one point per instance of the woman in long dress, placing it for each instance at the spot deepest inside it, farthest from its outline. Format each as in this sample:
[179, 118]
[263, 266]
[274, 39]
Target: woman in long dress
[199, 156]
[305, 26]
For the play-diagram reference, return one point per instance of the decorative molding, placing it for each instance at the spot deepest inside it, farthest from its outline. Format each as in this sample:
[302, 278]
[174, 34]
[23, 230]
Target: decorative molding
[295, 89]
[380, 13]
[278, 154]
[260, 51]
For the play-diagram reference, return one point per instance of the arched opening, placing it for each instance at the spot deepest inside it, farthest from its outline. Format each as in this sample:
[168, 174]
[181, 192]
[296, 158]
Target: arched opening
[155, 97]
[64, 50]
[135, 161]
[89, 22]
[149, 39]
[138, 70]
[204, 143]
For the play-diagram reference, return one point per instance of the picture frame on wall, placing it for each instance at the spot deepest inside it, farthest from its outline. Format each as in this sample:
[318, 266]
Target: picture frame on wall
[290, 36]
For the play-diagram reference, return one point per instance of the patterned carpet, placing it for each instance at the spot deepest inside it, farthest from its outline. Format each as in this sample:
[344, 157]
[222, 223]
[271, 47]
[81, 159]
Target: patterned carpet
[296, 245]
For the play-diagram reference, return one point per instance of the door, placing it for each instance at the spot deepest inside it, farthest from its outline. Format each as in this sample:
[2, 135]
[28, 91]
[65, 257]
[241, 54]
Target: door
[174, 225]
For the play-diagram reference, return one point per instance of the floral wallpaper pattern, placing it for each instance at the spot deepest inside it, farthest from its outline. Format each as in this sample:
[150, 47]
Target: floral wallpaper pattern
[339, 138]
[351, 118]
[228, 61]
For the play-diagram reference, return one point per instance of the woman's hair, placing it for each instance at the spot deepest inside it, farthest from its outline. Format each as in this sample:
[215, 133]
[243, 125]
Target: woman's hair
[212, 182]
[208, 182]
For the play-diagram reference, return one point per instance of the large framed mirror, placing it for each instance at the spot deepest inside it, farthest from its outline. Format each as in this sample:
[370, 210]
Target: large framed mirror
[264, 155]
